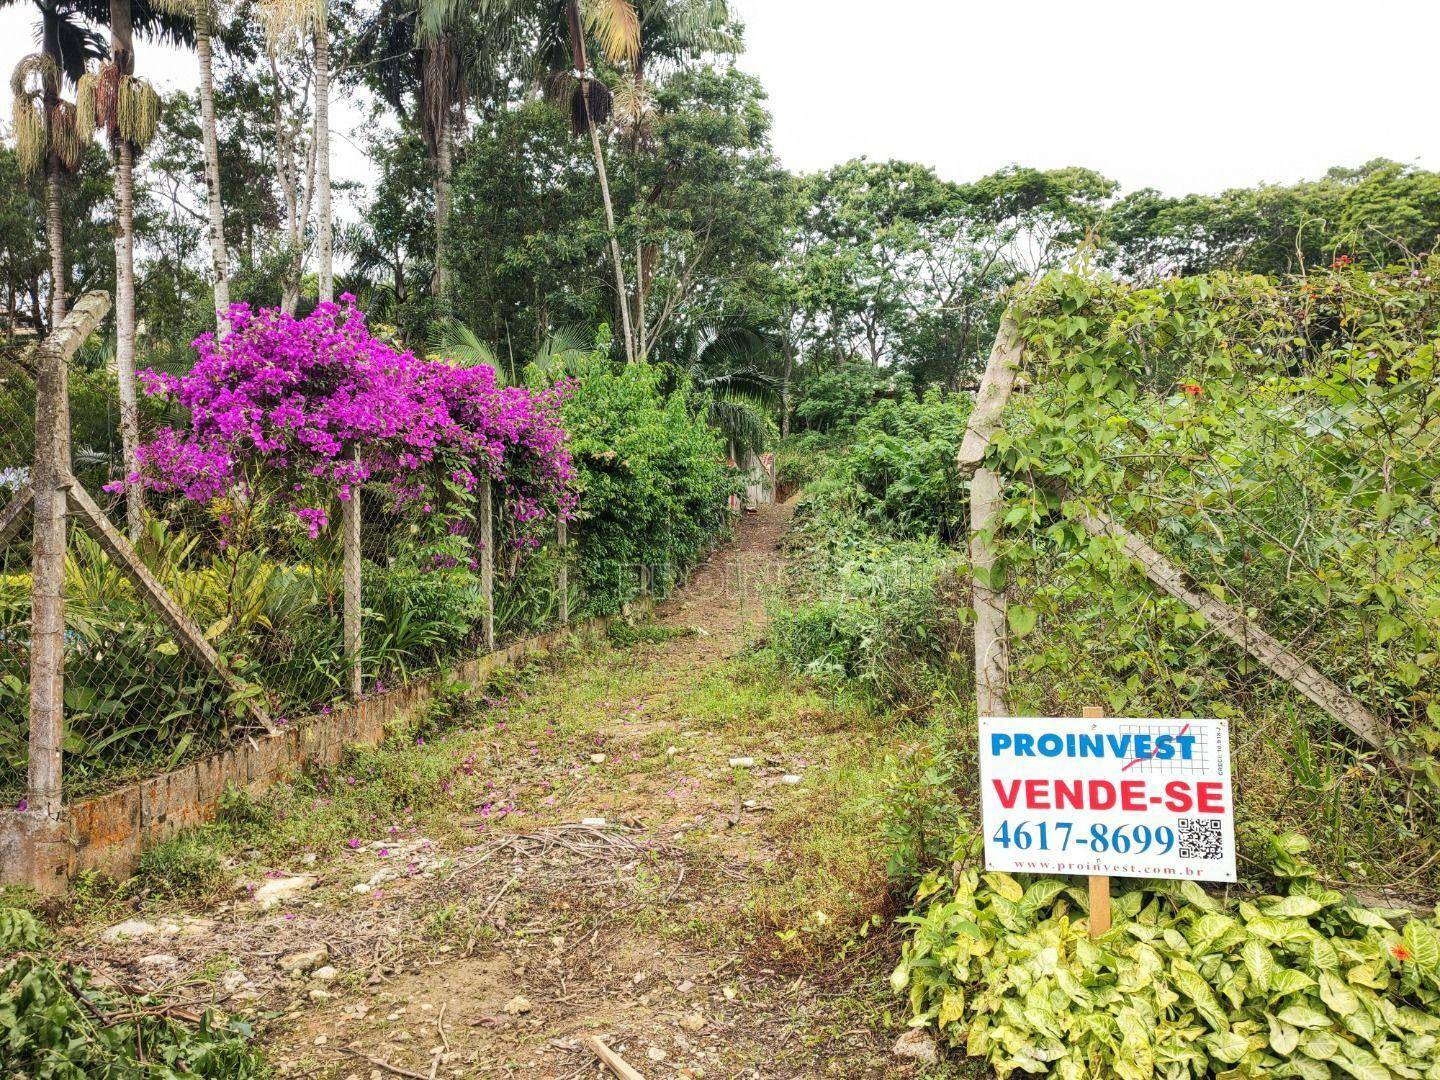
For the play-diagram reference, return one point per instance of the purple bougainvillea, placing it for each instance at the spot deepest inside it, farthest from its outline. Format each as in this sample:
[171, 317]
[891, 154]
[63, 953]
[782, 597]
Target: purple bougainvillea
[295, 396]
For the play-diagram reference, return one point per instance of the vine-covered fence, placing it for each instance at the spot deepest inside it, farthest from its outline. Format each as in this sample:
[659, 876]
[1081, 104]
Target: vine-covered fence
[1220, 494]
[201, 570]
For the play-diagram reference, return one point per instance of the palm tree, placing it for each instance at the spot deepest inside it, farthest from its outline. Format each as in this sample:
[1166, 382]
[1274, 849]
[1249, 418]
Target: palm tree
[565, 351]
[631, 34]
[671, 32]
[426, 58]
[50, 133]
[127, 109]
[740, 391]
[322, 152]
[616, 26]
[203, 14]
[287, 25]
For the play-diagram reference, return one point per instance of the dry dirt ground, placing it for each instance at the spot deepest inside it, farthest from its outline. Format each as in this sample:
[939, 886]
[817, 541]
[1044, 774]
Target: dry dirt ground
[495, 948]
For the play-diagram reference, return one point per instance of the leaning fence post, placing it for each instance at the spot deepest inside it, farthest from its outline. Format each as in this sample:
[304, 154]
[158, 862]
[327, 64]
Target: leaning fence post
[350, 528]
[992, 642]
[562, 577]
[487, 561]
[50, 481]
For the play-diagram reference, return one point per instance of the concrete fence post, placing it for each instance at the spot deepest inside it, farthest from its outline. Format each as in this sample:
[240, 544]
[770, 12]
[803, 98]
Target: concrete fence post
[487, 560]
[50, 482]
[562, 577]
[350, 529]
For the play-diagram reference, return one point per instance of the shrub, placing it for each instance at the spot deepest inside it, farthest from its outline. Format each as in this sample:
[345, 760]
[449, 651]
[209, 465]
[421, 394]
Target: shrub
[653, 483]
[416, 617]
[922, 803]
[187, 867]
[56, 1023]
[1305, 984]
[1275, 438]
[836, 398]
[873, 610]
[297, 397]
[902, 456]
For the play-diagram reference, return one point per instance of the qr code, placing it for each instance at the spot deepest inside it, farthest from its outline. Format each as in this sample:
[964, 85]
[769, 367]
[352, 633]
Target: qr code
[1201, 838]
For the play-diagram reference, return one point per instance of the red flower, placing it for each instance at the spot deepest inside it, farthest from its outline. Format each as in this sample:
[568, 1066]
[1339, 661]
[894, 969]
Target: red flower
[1193, 389]
[1401, 953]
[1340, 261]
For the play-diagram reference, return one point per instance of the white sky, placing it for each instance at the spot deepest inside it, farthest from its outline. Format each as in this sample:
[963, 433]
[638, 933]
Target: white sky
[1164, 93]
[1172, 94]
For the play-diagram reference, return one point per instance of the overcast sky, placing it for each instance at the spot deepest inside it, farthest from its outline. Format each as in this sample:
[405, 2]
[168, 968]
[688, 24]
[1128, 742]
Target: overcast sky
[1162, 93]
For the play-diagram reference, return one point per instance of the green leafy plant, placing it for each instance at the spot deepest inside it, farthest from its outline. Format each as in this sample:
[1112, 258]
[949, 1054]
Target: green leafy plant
[58, 1024]
[1306, 983]
[1276, 438]
[653, 480]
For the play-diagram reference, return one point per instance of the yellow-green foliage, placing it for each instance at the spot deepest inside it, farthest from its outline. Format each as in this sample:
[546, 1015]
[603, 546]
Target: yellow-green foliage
[137, 112]
[87, 108]
[1309, 984]
[27, 113]
[288, 21]
[127, 108]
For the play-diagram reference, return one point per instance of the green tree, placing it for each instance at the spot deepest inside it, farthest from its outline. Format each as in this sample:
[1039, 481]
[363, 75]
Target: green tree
[1379, 213]
[896, 266]
[50, 132]
[427, 59]
[127, 109]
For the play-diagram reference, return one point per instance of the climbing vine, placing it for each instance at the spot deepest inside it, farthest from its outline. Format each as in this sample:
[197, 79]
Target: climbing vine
[1277, 440]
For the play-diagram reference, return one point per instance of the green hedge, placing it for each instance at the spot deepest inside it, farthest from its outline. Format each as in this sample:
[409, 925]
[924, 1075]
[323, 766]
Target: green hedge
[653, 480]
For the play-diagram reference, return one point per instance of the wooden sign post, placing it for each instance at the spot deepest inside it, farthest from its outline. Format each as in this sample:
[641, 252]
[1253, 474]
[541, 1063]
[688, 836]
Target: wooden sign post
[1099, 883]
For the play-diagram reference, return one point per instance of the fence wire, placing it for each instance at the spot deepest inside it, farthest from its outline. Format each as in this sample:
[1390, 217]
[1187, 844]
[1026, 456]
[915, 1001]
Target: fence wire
[1280, 444]
[266, 594]
[17, 450]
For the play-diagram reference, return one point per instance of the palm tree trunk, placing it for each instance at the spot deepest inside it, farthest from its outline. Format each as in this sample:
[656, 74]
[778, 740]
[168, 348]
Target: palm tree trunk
[582, 65]
[122, 55]
[785, 378]
[54, 221]
[287, 172]
[622, 294]
[322, 154]
[219, 260]
[55, 238]
[444, 169]
[125, 333]
[640, 336]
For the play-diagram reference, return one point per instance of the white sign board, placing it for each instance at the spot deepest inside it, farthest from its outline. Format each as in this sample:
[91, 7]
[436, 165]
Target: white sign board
[1123, 798]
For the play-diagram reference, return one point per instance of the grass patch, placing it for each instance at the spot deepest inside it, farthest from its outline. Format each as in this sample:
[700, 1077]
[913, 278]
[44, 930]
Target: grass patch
[188, 869]
[623, 632]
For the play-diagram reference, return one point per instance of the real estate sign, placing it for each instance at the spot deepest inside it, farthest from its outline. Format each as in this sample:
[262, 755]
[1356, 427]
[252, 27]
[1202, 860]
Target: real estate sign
[1116, 797]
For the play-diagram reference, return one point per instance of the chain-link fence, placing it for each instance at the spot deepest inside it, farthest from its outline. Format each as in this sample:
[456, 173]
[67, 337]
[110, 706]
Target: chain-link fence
[216, 620]
[1269, 453]
[17, 452]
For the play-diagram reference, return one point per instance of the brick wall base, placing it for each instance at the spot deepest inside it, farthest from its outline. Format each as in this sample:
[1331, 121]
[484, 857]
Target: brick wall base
[108, 832]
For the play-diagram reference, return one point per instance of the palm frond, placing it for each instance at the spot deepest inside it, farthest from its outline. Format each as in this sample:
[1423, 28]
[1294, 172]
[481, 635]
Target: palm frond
[757, 386]
[616, 27]
[436, 18]
[452, 340]
[566, 352]
[635, 105]
[75, 44]
[742, 420]
[740, 347]
[700, 24]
